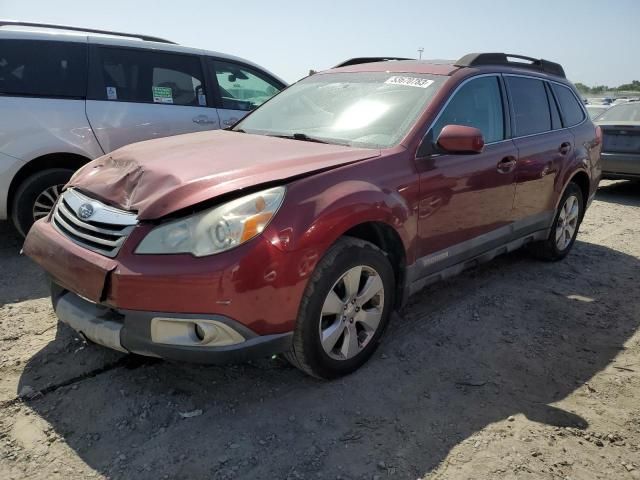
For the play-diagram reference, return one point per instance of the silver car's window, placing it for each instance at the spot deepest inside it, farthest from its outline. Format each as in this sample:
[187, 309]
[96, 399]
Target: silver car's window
[242, 88]
[39, 68]
[147, 76]
[367, 109]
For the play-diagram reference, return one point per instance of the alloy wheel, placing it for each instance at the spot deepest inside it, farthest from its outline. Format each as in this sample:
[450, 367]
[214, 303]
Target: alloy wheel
[351, 312]
[45, 201]
[567, 222]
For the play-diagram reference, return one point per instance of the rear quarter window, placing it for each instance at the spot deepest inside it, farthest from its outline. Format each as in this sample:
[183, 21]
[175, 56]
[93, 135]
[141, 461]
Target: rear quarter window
[571, 110]
[41, 68]
[530, 105]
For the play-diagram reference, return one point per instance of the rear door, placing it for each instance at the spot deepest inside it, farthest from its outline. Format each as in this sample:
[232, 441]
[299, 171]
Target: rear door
[543, 146]
[139, 94]
[42, 100]
[239, 88]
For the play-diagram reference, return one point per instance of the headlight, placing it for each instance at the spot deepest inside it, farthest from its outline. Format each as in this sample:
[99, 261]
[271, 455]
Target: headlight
[218, 229]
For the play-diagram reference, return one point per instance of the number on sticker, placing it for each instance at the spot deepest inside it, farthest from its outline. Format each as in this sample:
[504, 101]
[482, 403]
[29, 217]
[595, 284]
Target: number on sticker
[410, 81]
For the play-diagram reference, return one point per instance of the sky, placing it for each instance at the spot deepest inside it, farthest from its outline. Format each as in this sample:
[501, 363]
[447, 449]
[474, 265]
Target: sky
[596, 42]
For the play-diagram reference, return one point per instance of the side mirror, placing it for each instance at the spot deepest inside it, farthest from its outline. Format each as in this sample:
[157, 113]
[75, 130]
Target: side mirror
[460, 139]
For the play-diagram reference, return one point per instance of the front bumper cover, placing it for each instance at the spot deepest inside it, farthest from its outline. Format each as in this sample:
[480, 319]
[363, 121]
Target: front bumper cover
[130, 331]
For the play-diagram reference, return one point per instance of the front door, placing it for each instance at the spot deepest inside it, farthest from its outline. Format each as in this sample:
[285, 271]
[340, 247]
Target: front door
[466, 200]
[240, 89]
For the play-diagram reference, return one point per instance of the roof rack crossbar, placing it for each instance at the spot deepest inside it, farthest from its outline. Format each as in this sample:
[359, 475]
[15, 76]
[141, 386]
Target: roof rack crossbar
[539, 64]
[359, 60]
[147, 38]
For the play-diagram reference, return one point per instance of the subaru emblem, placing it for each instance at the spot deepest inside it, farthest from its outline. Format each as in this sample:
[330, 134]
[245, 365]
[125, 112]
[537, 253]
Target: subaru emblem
[85, 211]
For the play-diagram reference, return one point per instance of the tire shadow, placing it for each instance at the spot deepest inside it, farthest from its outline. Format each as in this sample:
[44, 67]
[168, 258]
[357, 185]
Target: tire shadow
[512, 337]
[623, 192]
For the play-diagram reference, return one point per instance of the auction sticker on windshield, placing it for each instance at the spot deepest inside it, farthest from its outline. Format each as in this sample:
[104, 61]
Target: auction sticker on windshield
[162, 95]
[410, 81]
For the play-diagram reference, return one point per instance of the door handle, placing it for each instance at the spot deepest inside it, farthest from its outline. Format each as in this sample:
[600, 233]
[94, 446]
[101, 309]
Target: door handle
[230, 121]
[203, 120]
[565, 148]
[507, 164]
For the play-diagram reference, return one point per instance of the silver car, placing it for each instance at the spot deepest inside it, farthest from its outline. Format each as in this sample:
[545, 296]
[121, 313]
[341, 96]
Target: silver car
[69, 95]
[620, 158]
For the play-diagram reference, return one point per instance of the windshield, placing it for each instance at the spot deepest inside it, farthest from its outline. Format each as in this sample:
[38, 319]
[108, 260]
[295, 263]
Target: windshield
[364, 109]
[628, 112]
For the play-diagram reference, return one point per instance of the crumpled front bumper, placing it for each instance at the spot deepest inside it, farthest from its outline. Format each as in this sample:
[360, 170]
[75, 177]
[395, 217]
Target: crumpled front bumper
[131, 331]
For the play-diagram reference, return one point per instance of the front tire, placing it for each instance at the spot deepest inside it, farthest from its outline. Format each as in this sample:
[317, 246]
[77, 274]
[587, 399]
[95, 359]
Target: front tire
[36, 196]
[344, 311]
[565, 226]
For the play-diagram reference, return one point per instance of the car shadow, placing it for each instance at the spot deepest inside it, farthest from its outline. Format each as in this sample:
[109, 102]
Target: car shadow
[623, 192]
[20, 278]
[512, 337]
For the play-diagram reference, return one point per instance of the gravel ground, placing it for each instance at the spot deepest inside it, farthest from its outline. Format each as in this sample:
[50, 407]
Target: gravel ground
[516, 369]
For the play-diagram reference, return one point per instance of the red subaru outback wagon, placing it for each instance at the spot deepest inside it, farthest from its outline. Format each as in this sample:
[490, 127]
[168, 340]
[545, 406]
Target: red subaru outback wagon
[301, 229]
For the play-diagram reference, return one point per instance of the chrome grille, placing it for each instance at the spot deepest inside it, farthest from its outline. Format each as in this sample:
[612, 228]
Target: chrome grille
[92, 224]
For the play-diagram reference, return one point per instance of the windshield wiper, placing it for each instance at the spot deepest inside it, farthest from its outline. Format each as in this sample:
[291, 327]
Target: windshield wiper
[301, 136]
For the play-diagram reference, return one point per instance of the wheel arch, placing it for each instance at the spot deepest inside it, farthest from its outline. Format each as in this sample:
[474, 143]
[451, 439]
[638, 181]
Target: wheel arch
[581, 179]
[387, 239]
[72, 161]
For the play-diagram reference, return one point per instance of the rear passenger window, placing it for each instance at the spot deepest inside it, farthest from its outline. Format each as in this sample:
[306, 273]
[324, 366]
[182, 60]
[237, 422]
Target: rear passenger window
[50, 69]
[131, 75]
[477, 104]
[571, 109]
[530, 105]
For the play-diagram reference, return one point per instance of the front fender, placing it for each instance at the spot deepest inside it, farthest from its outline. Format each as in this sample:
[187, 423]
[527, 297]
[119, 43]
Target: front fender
[315, 214]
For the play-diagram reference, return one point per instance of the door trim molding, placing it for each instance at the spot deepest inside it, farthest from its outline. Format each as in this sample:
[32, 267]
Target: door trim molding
[457, 258]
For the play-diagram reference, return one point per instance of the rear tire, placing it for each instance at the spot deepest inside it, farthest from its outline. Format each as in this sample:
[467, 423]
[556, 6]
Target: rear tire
[565, 226]
[344, 310]
[41, 187]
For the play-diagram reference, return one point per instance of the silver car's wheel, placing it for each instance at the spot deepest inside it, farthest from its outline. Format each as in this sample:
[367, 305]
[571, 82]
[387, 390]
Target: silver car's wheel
[567, 222]
[45, 201]
[351, 312]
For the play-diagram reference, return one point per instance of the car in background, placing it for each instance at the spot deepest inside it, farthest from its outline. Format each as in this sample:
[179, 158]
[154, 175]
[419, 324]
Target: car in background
[596, 110]
[301, 229]
[620, 157]
[69, 95]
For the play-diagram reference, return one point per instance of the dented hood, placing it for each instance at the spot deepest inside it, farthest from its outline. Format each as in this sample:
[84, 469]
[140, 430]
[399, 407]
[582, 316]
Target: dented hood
[158, 177]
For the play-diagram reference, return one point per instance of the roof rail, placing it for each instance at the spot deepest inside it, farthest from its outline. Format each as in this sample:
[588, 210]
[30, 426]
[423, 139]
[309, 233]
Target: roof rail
[478, 59]
[359, 60]
[147, 38]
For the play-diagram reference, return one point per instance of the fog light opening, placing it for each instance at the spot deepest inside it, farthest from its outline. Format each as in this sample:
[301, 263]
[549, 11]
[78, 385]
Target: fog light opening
[199, 332]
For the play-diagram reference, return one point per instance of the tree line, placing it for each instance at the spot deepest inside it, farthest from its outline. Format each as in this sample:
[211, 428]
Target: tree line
[634, 86]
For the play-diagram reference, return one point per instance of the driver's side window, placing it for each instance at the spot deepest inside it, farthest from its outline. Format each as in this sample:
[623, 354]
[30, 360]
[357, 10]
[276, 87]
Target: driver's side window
[241, 88]
[477, 104]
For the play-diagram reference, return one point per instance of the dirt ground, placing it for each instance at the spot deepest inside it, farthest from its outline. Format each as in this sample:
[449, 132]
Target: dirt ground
[517, 369]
